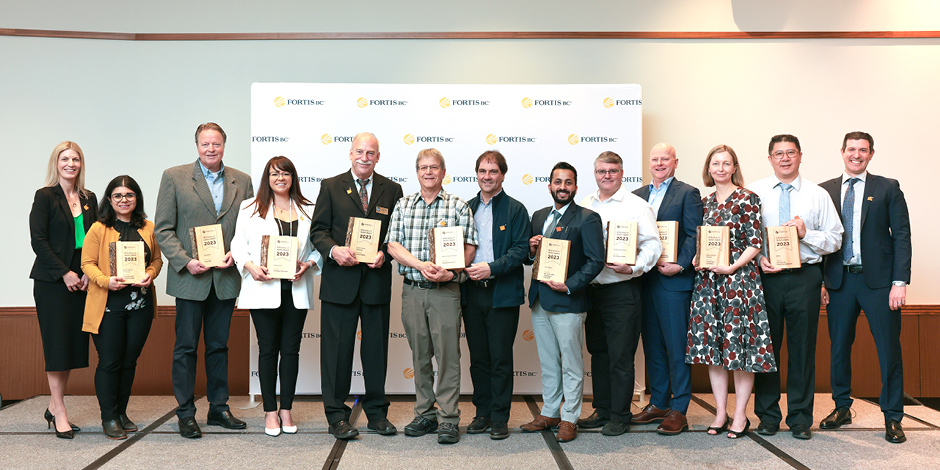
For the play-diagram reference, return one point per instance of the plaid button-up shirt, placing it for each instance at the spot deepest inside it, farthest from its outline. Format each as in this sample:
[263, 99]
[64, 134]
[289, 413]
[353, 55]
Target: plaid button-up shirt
[412, 218]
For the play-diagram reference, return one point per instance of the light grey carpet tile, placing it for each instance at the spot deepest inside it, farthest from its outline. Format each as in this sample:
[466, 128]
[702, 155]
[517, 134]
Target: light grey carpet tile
[83, 411]
[863, 449]
[929, 415]
[307, 413]
[45, 451]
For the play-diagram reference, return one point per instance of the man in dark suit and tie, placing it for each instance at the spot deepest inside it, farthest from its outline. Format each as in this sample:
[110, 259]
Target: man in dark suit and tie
[559, 308]
[353, 292]
[667, 295]
[869, 273]
[193, 195]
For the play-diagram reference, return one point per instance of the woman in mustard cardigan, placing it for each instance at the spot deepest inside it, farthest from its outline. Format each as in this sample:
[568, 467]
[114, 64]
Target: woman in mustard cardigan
[119, 313]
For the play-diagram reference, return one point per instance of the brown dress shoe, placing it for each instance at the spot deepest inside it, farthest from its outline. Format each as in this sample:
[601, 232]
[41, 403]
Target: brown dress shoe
[540, 423]
[650, 414]
[566, 432]
[674, 423]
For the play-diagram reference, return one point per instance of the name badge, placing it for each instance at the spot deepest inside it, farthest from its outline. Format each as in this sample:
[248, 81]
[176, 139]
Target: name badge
[381, 210]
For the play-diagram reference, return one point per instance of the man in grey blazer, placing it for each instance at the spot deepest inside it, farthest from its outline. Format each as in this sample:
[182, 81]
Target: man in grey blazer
[193, 195]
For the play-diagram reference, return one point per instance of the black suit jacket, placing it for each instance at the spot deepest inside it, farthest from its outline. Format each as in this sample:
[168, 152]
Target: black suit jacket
[52, 231]
[583, 227]
[885, 234]
[337, 202]
[682, 203]
[510, 248]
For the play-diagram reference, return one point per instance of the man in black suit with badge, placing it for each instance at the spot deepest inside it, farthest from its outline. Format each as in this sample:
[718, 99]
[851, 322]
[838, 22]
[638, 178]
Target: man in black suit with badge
[869, 273]
[352, 292]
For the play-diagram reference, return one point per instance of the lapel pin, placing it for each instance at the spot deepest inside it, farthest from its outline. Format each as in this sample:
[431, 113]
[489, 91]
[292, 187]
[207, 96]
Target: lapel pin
[86, 206]
[557, 229]
[871, 198]
[348, 191]
[502, 227]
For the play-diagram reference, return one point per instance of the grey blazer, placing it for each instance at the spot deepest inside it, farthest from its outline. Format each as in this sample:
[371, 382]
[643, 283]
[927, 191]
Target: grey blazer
[184, 201]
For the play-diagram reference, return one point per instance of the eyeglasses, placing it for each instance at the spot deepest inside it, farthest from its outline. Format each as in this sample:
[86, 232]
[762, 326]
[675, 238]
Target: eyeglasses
[429, 167]
[281, 174]
[128, 196]
[780, 153]
[606, 172]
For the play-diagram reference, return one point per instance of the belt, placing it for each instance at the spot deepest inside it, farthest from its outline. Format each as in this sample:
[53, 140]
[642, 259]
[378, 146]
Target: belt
[854, 268]
[484, 283]
[796, 270]
[424, 284]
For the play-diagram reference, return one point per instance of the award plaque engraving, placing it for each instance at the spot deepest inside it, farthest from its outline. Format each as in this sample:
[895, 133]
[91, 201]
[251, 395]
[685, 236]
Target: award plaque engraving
[783, 246]
[127, 261]
[551, 260]
[207, 243]
[446, 244]
[279, 255]
[621, 242]
[714, 246]
[362, 236]
[668, 235]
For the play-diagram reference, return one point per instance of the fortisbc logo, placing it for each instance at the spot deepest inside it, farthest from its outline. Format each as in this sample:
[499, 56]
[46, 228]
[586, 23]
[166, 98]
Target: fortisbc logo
[408, 373]
[428, 139]
[492, 139]
[327, 139]
[280, 102]
[528, 179]
[362, 102]
[610, 102]
[269, 138]
[459, 179]
[447, 179]
[446, 102]
[529, 102]
[575, 139]
[359, 335]
[528, 335]
[524, 373]
[310, 179]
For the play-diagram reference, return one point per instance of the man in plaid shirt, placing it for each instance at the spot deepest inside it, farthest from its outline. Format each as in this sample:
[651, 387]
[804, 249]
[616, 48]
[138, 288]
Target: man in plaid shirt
[430, 299]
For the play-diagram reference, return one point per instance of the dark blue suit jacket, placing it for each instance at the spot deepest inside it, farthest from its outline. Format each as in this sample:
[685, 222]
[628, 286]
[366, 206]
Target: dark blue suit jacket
[584, 229]
[885, 234]
[682, 203]
[510, 248]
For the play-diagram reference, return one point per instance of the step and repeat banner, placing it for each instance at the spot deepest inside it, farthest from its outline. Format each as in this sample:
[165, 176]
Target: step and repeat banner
[533, 126]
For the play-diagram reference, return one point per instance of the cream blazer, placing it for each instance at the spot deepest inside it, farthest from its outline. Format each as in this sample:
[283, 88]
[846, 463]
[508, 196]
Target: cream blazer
[246, 246]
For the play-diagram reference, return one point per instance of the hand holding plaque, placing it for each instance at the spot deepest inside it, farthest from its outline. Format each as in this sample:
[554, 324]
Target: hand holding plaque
[362, 237]
[446, 246]
[127, 261]
[783, 246]
[551, 260]
[207, 245]
[714, 246]
[621, 242]
[279, 255]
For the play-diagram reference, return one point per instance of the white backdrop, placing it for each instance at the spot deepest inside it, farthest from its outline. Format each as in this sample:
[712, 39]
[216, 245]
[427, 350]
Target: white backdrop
[534, 126]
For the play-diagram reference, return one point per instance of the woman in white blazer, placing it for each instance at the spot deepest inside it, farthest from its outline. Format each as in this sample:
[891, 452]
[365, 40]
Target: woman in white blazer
[278, 306]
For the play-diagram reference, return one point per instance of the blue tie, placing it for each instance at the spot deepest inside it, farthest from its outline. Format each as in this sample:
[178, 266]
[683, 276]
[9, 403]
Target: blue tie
[551, 227]
[848, 220]
[784, 202]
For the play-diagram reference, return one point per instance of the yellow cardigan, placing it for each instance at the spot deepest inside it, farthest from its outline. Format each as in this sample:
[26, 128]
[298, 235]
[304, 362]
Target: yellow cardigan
[97, 266]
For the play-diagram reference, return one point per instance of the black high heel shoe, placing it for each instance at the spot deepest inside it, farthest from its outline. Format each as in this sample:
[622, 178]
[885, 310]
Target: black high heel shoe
[723, 428]
[50, 422]
[736, 434]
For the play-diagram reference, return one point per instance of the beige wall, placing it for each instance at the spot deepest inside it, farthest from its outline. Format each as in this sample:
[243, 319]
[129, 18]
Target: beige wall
[133, 105]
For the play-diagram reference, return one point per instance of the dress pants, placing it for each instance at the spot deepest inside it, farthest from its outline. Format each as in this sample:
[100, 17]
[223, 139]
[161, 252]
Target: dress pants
[490, 336]
[191, 316]
[665, 338]
[559, 338]
[279, 331]
[792, 300]
[885, 324]
[338, 323]
[612, 332]
[120, 339]
[431, 318]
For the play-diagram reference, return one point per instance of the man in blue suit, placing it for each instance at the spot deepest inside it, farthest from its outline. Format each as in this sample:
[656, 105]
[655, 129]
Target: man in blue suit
[667, 295]
[869, 273]
[559, 308]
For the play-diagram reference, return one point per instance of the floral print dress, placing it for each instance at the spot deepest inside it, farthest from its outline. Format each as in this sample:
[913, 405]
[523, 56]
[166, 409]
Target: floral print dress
[728, 324]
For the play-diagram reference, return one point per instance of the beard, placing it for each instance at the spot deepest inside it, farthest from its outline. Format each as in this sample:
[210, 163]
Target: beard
[570, 197]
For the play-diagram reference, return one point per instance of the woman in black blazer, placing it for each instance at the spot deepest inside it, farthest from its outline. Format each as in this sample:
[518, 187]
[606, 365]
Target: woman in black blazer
[63, 211]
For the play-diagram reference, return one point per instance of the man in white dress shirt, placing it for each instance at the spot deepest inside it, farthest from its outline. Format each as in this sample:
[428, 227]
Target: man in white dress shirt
[612, 327]
[787, 199]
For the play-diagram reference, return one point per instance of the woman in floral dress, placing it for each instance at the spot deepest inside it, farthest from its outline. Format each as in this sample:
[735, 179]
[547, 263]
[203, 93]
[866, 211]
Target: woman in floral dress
[728, 327]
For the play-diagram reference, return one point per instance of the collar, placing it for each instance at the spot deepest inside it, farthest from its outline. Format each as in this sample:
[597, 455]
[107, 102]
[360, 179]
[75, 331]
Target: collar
[370, 179]
[617, 196]
[664, 185]
[206, 172]
[561, 211]
[419, 197]
[863, 177]
[492, 199]
[796, 183]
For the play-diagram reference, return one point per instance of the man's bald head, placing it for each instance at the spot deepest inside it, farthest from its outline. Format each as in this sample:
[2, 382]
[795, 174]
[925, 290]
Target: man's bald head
[663, 163]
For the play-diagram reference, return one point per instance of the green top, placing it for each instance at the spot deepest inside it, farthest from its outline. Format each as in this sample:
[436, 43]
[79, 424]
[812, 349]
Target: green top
[79, 230]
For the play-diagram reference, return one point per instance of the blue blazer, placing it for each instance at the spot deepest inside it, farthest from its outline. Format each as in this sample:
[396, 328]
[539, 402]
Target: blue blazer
[885, 234]
[511, 233]
[584, 229]
[682, 203]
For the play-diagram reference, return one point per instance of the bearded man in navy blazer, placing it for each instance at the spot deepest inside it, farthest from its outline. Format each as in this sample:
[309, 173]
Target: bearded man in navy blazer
[869, 273]
[559, 308]
[667, 296]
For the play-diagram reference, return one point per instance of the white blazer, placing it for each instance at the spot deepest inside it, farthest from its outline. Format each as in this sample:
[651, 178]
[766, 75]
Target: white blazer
[246, 246]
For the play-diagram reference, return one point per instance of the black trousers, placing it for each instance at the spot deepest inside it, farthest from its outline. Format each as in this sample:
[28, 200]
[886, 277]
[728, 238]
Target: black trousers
[490, 336]
[191, 316]
[792, 299]
[279, 332]
[338, 324]
[612, 334]
[120, 339]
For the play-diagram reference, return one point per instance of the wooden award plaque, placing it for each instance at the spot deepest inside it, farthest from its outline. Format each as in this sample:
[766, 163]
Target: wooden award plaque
[208, 245]
[279, 255]
[668, 236]
[551, 260]
[783, 246]
[446, 245]
[621, 242]
[362, 236]
[127, 261]
[714, 246]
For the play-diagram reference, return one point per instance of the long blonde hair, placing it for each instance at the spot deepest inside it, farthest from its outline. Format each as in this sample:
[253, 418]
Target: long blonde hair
[52, 172]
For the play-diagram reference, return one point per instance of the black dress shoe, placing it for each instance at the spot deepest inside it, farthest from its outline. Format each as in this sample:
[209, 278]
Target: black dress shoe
[593, 421]
[615, 427]
[420, 426]
[383, 427]
[479, 425]
[837, 418]
[893, 432]
[343, 430]
[226, 420]
[113, 429]
[448, 434]
[499, 430]
[188, 428]
[126, 423]
[767, 429]
[801, 432]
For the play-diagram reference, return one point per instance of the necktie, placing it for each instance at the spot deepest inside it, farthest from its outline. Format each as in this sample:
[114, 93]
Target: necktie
[551, 227]
[848, 220]
[363, 195]
[784, 202]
